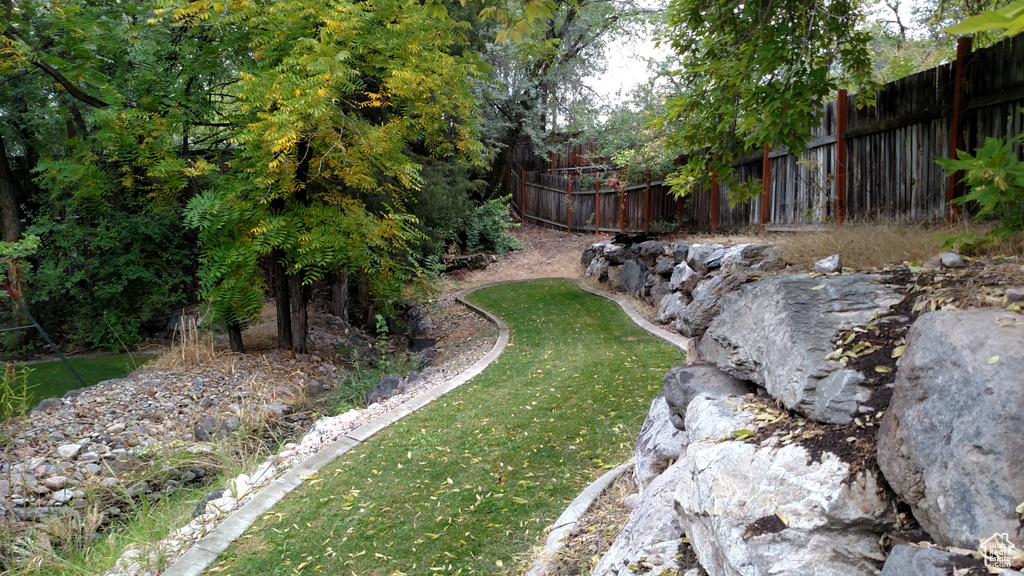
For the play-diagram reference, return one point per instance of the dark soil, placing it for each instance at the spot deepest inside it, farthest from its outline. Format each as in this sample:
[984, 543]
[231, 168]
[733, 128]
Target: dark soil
[765, 525]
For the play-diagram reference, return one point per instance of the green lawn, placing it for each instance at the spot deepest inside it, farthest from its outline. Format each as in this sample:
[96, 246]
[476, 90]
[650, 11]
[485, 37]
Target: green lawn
[467, 484]
[53, 379]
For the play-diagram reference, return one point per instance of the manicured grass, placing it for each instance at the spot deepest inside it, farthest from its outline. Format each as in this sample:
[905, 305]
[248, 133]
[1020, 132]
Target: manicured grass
[53, 379]
[467, 484]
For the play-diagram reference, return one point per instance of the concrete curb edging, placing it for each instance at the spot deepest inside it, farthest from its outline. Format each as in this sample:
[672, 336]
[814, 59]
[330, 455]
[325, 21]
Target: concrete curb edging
[562, 527]
[201, 555]
[673, 338]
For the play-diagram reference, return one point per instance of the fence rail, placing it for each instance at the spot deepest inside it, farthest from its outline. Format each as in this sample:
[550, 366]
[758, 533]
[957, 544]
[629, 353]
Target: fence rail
[865, 164]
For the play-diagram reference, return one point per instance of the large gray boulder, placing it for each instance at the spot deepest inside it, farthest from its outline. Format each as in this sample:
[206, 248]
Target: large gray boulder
[652, 534]
[707, 298]
[905, 560]
[598, 269]
[684, 383]
[759, 257]
[613, 253]
[684, 278]
[659, 290]
[777, 332]
[758, 509]
[658, 445]
[698, 255]
[671, 306]
[651, 250]
[951, 441]
[664, 266]
[634, 274]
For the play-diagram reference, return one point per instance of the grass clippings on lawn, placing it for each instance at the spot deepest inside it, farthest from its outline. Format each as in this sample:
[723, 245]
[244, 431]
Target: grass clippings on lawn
[469, 484]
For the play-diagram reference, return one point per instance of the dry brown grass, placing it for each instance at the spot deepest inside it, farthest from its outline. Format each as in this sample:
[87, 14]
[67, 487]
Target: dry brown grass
[596, 530]
[189, 347]
[866, 246]
[545, 254]
[262, 335]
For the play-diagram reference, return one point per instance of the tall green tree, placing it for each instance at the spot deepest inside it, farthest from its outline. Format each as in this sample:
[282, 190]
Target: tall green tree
[753, 73]
[337, 97]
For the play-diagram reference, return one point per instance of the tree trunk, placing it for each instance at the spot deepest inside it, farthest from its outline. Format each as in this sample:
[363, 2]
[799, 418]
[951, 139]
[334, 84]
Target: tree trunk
[10, 199]
[282, 300]
[339, 295]
[299, 296]
[502, 161]
[235, 336]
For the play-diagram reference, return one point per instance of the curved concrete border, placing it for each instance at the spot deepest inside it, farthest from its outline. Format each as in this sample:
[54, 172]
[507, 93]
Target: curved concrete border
[196, 559]
[201, 555]
[670, 337]
[562, 527]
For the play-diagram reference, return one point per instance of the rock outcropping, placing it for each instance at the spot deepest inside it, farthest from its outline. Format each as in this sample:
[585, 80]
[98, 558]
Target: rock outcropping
[824, 415]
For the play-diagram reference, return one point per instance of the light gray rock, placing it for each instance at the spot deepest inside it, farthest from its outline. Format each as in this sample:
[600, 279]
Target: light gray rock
[658, 445]
[829, 264]
[707, 297]
[907, 560]
[659, 291]
[664, 266]
[63, 496]
[652, 532]
[68, 451]
[55, 482]
[615, 254]
[950, 443]
[598, 269]
[634, 273]
[759, 257]
[684, 278]
[952, 260]
[671, 305]
[1014, 295]
[715, 259]
[591, 252]
[777, 332]
[684, 383]
[755, 510]
[278, 410]
[88, 457]
[698, 255]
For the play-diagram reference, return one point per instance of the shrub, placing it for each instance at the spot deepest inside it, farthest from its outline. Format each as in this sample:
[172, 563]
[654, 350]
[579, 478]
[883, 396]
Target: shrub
[488, 225]
[995, 177]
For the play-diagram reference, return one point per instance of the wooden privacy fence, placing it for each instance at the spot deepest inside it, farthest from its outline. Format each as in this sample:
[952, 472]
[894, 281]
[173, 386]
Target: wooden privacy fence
[868, 164]
[559, 201]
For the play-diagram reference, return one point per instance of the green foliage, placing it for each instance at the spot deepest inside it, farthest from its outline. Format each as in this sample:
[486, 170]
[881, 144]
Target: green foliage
[16, 395]
[756, 73]
[442, 204]
[1008, 19]
[101, 275]
[12, 252]
[995, 179]
[487, 228]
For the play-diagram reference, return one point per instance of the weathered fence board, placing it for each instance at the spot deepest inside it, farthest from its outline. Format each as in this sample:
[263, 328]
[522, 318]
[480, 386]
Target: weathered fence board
[890, 152]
